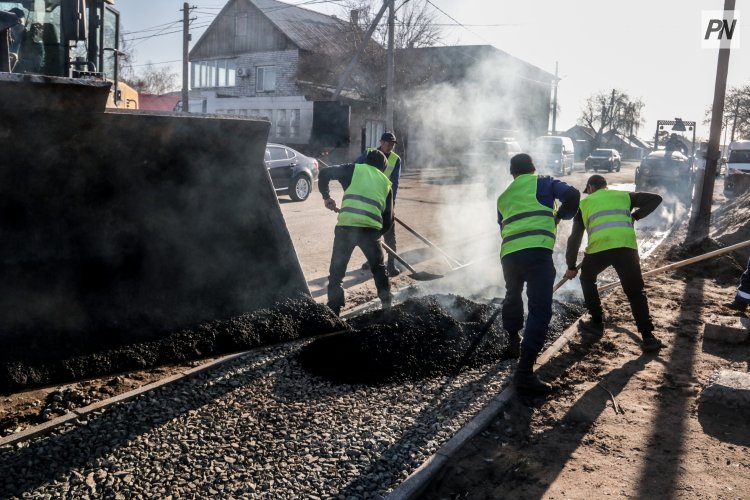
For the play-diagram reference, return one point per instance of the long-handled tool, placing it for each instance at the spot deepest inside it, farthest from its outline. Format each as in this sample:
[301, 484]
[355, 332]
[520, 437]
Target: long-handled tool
[564, 279]
[417, 275]
[451, 260]
[683, 263]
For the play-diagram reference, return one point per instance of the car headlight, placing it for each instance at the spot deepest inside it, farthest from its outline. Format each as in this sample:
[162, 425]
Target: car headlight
[557, 161]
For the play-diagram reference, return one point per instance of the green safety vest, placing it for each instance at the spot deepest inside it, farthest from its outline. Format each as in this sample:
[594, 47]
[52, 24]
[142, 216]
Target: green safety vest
[606, 215]
[526, 222]
[364, 199]
[392, 159]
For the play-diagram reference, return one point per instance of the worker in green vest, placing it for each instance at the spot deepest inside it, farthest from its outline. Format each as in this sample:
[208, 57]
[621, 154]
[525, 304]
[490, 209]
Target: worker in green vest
[393, 172]
[528, 218]
[366, 213]
[607, 216]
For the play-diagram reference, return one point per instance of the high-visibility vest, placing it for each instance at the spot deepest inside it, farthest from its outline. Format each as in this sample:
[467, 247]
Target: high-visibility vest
[392, 158]
[364, 200]
[526, 222]
[609, 224]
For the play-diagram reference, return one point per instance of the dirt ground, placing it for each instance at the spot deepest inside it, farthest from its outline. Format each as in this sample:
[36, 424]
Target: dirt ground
[665, 444]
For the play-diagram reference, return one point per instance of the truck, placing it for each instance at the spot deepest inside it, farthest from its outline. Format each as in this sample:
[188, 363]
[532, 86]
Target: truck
[116, 222]
[737, 177]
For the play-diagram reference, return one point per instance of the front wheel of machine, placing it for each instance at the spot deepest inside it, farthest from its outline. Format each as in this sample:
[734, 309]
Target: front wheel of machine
[300, 188]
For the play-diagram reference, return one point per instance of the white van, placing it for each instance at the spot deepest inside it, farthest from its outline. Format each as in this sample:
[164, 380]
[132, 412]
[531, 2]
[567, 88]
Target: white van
[737, 178]
[554, 154]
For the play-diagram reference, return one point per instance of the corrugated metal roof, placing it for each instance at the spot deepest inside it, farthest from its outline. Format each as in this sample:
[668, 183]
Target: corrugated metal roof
[307, 29]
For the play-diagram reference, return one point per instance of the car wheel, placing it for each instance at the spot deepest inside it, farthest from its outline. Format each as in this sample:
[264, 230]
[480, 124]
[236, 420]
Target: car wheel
[618, 166]
[610, 168]
[300, 188]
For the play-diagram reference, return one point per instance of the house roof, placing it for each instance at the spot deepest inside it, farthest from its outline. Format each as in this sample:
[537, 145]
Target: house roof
[307, 29]
[166, 102]
[580, 128]
[452, 63]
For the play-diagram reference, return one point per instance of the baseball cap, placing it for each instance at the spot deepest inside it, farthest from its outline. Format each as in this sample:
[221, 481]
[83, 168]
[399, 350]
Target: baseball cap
[388, 137]
[597, 181]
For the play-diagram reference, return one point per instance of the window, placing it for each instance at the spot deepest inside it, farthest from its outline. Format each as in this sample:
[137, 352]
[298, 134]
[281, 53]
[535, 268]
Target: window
[265, 79]
[277, 153]
[216, 73]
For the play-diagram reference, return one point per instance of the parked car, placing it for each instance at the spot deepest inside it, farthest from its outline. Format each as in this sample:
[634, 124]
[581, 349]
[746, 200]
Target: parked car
[737, 178]
[484, 155]
[665, 172]
[554, 154]
[603, 159]
[291, 172]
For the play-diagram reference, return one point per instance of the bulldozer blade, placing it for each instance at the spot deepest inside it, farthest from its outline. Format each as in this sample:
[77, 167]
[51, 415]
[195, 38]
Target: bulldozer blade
[112, 223]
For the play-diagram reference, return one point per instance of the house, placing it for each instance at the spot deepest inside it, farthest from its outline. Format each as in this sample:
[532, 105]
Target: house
[252, 60]
[584, 140]
[273, 60]
[450, 97]
[630, 148]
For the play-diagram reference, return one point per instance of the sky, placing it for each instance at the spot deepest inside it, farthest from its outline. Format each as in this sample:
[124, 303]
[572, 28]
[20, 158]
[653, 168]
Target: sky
[650, 49]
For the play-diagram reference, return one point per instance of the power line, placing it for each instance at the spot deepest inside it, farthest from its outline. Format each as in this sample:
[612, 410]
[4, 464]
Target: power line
[457, 22]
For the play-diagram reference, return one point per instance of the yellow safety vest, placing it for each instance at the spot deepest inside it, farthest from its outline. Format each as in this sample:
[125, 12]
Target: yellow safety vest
[526, 222]
[364, 200]
[392, 159]
[609, 224]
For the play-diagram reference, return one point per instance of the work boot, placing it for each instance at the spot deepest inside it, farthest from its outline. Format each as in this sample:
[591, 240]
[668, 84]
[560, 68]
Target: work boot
[393, 269]
[650, 343]
[513, 350]
[736, 305]
[525, 379]
[591, 328]
[335, 308]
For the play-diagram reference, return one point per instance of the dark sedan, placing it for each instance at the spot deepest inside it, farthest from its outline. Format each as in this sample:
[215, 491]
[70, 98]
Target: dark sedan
[291, 172]
[603, 159]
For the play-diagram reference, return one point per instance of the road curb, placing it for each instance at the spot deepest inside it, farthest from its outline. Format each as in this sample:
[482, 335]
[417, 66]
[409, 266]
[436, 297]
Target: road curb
[418, 481]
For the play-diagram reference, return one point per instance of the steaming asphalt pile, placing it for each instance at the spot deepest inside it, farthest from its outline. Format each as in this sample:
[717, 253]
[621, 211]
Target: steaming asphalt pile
[290, 319]
[262, 426]
[421, 337]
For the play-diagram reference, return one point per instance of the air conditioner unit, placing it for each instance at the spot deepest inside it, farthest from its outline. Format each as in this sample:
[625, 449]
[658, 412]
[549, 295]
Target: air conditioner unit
[243, 72]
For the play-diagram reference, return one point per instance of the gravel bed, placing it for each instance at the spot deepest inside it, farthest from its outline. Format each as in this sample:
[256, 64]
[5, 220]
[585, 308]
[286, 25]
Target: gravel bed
[258, 427]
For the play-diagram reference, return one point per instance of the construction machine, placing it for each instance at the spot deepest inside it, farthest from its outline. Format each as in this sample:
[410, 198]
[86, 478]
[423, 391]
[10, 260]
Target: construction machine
[117, 223]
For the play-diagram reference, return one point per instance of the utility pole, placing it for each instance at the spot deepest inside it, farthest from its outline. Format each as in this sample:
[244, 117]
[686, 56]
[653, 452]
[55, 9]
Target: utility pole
[700, 223]
[734, 124]
[391, 70]
[185, 70]
[554, 100]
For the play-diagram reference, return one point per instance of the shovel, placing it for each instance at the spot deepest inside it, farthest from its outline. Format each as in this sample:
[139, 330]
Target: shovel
[451, 260]
[416, 275]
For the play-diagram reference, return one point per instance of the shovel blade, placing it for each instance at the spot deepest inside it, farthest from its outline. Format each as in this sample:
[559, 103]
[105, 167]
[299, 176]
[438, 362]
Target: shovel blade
[425, 276]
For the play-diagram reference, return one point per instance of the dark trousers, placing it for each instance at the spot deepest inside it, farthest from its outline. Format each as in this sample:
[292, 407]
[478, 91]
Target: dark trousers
[535, 268]
[344, 241]
[627, 264]
[743, 293]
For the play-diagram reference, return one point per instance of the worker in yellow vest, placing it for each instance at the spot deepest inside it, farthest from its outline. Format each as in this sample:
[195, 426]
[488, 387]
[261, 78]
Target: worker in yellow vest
[393, 172]
[607, 216]
[528, 218]
[366, 213]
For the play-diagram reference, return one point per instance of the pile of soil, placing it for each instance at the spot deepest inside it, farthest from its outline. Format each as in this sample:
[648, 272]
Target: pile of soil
[289, 319]
[421, 337]
[724, 269]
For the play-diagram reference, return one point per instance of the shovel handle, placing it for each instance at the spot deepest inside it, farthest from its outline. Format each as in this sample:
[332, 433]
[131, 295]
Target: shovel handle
[564, 279]
[396, 256]
[427, 242]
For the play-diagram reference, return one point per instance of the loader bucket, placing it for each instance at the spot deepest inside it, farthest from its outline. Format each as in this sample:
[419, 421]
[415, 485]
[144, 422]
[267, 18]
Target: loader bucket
[127, 225]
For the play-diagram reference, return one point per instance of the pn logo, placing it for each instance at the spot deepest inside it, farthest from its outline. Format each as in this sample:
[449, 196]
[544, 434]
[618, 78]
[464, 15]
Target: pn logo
[720, 29]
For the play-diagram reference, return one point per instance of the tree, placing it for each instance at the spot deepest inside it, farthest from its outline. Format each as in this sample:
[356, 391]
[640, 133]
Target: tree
[736, 112]
[616, 111]
[153, 80]
[416, 25]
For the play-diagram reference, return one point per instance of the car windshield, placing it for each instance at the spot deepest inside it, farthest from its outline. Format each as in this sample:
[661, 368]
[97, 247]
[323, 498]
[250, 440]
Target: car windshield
[739, 156]
[664, 163]
[549, 147]
[601, 153]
